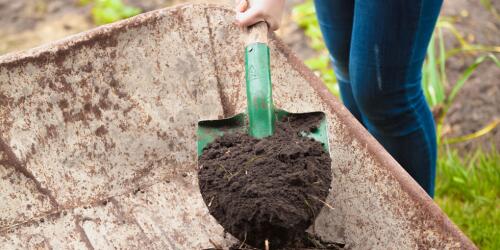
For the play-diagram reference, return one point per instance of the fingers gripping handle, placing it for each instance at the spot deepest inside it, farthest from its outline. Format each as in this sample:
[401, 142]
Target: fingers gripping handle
[257, 33]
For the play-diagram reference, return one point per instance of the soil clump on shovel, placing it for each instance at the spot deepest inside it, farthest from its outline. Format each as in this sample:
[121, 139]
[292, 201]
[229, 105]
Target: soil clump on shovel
[267, 189]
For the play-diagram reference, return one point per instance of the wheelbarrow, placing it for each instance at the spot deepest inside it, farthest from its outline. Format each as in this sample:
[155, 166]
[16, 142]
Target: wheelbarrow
[98, 142]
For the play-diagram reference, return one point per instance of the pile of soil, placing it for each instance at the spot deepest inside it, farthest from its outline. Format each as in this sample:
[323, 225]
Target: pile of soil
[272, 188]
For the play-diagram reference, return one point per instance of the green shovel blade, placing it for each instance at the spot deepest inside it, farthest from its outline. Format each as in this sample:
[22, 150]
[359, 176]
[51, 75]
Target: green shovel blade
[260, 117]
[209, 130]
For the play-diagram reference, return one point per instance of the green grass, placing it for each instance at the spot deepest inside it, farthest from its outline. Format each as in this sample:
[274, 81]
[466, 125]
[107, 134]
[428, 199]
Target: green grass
[468, 190]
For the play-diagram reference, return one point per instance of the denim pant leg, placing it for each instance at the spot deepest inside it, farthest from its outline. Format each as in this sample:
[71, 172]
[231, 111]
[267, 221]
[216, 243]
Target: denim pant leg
[387, 49]
[335, 21]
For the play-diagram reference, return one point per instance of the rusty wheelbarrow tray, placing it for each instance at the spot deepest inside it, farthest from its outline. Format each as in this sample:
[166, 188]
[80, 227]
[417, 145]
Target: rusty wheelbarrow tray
[98, 142]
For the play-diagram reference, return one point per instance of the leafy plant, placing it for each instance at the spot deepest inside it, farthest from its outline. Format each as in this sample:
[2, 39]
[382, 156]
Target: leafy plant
[447, 23]
[434, 79]
[305, 16]
[321, 66]
[489, 6]
[108, 11]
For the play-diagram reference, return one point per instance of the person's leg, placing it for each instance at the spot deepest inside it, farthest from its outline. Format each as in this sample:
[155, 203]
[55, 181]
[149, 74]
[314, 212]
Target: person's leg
[388, 46]
[335, 20]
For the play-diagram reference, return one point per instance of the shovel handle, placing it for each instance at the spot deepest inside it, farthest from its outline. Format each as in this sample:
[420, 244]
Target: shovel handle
[257, 33]
[258, 82]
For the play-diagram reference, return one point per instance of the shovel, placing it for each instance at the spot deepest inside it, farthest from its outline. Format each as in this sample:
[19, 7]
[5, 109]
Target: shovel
[259, 120]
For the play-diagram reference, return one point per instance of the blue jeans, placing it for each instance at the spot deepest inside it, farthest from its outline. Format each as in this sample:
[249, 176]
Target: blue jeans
[377, 49]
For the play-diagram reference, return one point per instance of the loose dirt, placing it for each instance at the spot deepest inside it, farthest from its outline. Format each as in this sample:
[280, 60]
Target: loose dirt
[271, 188]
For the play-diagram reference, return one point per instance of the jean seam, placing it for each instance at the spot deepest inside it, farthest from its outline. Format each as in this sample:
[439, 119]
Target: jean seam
[414, 109]
[414, 40]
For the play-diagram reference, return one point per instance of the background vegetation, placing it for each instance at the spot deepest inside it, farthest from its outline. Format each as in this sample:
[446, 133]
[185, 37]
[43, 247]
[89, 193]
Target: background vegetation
[108, 11]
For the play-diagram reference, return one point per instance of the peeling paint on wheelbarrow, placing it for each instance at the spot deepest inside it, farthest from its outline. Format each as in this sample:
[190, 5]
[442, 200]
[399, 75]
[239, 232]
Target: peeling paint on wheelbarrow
[98, 144]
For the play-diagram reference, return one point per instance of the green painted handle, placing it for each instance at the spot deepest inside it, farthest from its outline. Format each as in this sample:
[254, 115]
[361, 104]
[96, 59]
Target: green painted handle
[259, 89]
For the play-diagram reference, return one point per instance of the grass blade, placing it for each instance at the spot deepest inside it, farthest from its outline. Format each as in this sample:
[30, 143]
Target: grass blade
[467, 73]
[433, 87]
[467, 190]
[449, 25]
[472, 49]
[442, 57]
[485, 130]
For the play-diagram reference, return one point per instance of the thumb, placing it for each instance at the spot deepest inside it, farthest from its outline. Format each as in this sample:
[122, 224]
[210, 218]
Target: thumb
[272, 23]
[241, 5]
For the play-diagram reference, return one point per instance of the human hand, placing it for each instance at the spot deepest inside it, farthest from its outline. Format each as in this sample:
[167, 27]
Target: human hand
[249, 12]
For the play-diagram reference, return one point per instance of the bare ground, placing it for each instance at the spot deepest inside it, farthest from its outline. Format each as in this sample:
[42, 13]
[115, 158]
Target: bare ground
[478, 103]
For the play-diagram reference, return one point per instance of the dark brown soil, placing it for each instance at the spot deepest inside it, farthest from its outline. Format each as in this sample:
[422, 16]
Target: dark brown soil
[304, 242]
[271, 188]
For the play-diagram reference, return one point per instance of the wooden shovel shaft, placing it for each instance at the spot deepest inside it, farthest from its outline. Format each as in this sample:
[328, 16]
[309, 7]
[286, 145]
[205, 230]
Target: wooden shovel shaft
[257, 33]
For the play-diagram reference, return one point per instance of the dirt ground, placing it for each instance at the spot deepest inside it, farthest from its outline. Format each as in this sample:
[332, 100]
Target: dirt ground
[478, 103]
[29, 23]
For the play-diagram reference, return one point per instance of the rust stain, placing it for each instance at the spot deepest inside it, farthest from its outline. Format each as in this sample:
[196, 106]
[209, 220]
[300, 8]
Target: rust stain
[102, 40]
[143, 172]
[5, 100]
[104, 103]
[101, 131]
[129, 217]
[162, 135]
[82, 233]
[51, 132]
[227, 109]
[72, 116]
[97, 112]
[87, 67]
[14, 162]
[63, 104]
[32, 221]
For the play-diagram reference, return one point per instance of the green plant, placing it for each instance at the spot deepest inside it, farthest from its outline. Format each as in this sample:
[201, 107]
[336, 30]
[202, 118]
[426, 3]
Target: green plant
[434, 74]
[468, 190]
[305, 16]
[108, 11]
[434, 79]
[489, 6]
